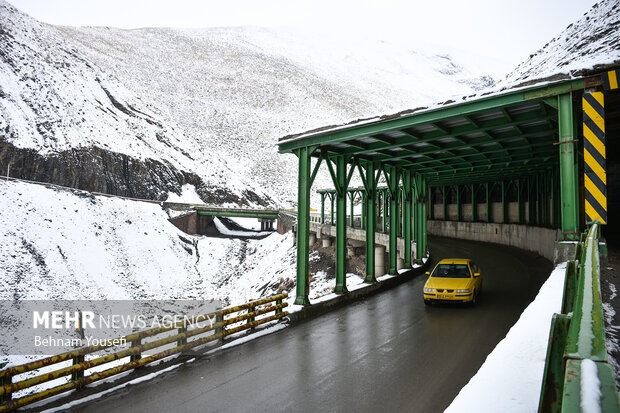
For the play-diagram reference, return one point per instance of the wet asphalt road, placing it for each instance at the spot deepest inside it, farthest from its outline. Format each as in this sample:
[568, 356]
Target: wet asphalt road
[386, 353]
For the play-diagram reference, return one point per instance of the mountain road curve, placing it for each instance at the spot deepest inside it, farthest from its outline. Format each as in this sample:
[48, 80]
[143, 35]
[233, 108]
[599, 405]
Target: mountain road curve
[388, 352]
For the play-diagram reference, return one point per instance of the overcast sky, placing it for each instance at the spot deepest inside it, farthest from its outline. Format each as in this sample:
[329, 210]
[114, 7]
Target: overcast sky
[507, 29]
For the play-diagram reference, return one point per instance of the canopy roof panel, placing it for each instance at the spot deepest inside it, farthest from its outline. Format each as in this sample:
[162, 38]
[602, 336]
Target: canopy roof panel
[483, 138]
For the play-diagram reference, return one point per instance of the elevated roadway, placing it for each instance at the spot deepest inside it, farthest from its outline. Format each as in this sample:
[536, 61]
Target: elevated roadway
[386, 353]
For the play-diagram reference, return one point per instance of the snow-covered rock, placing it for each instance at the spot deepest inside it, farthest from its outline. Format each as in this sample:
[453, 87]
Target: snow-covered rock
[590, 43]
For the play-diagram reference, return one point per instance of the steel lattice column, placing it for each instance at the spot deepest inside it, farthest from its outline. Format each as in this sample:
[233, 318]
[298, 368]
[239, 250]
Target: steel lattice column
[303, 227]
[568, 172]
[392, 177]
[341, 181]
[419, 194]
[407, 216]
[370, 177]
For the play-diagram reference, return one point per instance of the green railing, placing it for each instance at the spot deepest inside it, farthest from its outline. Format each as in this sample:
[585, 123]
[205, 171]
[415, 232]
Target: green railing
[577, 375]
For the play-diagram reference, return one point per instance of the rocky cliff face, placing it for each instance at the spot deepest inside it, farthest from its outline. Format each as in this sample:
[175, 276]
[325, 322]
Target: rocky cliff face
[97, 170]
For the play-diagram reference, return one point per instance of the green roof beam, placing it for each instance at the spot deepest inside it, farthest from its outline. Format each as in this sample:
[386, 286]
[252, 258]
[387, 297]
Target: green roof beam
[434, 115]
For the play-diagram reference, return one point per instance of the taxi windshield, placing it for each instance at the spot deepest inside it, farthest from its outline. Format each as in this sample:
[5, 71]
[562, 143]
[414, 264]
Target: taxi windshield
[452, 271]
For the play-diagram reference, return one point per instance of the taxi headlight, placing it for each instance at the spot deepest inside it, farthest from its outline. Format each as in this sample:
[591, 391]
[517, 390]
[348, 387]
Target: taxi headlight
[429, 290]
[462, 291]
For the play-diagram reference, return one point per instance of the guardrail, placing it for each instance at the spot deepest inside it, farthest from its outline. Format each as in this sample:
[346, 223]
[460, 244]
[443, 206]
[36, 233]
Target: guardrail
[577, 376]
[76, 371]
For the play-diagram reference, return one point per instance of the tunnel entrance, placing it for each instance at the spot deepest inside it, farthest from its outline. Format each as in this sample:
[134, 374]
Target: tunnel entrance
[611, 231]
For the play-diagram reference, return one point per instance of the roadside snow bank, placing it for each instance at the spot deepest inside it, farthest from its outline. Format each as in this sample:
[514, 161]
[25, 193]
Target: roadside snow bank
[510, 379]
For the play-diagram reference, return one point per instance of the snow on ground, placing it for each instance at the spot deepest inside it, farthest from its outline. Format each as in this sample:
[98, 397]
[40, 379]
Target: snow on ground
[511, 377]
[188, 195]
[64, 244]
[251, 224]
[224, 230]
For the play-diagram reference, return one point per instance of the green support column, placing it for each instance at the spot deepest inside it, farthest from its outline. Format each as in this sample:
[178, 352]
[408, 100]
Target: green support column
[421, 252]
[352, 211]
[539, 200]
[531, 215]
[364, 209]
[568, 172]
[445, 204]
[341, 182]
[557, 220]
[520, 204]
[385, 210]
[420, 216]
[370, 177]
[323, 207]
[407, 215]
[474, 205]
[431, 206]
[332, 198]
[303, 227]
[399, 213]
[489, 188]
[504, 208]
[392, 176]
[458, 203]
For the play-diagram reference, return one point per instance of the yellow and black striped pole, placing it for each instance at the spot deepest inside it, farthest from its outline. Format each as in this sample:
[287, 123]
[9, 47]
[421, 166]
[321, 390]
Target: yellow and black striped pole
[595, 179]
[610, 80]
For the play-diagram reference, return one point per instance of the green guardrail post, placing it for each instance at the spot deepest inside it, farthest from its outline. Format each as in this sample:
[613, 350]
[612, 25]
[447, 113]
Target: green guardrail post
[219, 320]
[182, 341]
[278, 302]
[137, 356]
[6, 381]
[77, 374]
[553, 376]
[570, 285]
[250, 311]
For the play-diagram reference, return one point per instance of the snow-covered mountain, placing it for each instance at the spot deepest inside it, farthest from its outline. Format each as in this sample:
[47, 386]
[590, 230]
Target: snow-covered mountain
[591, 43]
[64, 120]
[205, 107]
[237, 90]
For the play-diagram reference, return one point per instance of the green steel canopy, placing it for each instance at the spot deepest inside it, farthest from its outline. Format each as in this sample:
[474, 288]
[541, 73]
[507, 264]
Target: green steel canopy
[482, 139]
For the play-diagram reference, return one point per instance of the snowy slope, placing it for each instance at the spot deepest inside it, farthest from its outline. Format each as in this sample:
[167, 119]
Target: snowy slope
[235, 91]
[54, 99]
[60, 244]
[592, 42]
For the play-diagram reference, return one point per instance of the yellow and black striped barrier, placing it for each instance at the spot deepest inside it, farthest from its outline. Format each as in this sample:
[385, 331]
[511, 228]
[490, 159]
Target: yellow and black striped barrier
[595, 179]
[610, 80]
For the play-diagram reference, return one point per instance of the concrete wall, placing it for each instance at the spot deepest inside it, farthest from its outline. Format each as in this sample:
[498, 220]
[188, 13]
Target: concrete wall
[286, 222]
[496, 211]
[356, 236]
[534, 239]
[187, 223]
[192, 223]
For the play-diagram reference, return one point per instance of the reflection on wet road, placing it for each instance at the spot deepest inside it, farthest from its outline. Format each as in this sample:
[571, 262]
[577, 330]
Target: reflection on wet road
[386, 353]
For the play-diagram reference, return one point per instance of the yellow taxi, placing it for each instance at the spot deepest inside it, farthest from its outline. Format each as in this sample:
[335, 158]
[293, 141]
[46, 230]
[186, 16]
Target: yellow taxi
[453, 280]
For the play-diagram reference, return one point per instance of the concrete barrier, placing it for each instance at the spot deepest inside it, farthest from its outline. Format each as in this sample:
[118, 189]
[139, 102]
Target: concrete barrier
[534, 239]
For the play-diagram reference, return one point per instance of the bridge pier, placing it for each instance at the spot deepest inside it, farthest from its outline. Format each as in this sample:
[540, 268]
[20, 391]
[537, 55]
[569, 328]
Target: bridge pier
[312, 239]
[379, 256]
[326, 242]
